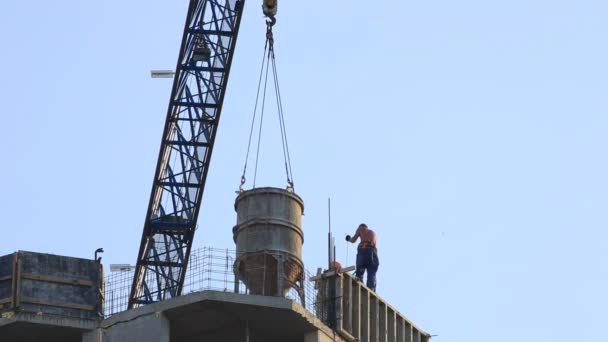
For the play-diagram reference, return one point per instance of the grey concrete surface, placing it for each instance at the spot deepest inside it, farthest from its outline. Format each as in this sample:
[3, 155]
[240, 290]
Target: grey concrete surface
[30, 327]
[215, 316]
[360, 314]
[220, 316]
[149, 328]
[318, 336]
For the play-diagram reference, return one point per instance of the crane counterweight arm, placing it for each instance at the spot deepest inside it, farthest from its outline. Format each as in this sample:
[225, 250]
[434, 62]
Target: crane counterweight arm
[199, 85]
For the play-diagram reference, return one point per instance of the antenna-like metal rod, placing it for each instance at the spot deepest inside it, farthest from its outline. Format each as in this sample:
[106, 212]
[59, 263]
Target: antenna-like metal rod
[329, 212]
[329, 249]
[333, 242]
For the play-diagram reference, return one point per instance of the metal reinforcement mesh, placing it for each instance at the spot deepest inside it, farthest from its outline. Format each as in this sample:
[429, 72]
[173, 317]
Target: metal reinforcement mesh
[208, 269]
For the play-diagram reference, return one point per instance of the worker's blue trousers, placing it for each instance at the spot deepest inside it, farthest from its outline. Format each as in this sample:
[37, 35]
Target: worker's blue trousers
[367, 260]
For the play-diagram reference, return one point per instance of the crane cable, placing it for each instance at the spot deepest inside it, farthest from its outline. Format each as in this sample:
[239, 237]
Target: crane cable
[268, 61]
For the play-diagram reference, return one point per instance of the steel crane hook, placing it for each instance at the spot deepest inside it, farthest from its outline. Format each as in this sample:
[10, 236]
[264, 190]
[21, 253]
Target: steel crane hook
[271, 21]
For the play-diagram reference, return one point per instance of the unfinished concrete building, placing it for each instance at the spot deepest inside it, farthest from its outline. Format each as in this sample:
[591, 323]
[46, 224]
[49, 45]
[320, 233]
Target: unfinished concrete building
[53, 298]
[259, 292]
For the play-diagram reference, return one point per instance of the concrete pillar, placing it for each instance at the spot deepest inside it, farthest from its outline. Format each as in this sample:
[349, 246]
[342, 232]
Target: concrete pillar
[317, 336]
[373, 318]
[93, 336]
[356, 331]
[382, 321]
[312, 336]
[390, 326]
[364, 315]
[408, 332]
[151, 328]
[400, 329]
[415, 335]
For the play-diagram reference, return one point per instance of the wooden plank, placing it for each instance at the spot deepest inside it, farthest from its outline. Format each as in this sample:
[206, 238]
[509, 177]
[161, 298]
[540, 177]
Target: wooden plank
[31, 300]
[17, 281]
[332, 273]
[14, 280]
[8, 277]
[58, 280]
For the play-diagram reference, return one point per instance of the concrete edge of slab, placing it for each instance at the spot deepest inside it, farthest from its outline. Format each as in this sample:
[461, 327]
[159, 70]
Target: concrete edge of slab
[46, 319]
[219, 296]
[166, 306]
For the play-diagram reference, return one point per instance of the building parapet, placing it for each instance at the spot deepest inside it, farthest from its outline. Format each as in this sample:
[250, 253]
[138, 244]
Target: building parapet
[358, 314]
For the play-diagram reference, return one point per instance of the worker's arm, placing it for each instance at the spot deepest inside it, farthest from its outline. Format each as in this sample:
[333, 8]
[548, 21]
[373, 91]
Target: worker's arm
[354, 238]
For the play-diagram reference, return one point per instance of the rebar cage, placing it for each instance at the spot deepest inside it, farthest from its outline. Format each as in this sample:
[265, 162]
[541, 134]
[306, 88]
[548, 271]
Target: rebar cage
[209, 269]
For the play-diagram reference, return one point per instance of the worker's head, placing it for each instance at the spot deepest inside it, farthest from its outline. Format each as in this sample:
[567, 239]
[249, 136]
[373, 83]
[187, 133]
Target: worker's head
[363, 226]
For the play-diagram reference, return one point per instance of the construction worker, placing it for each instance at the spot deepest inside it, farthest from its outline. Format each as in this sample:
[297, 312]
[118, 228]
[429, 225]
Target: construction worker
[367, 255]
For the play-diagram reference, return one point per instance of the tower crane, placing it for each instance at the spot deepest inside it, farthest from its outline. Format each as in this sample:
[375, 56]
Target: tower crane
[199, 87]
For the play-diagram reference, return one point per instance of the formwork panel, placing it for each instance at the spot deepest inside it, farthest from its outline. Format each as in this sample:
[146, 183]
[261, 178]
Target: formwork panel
[6, 281]
[54, 285]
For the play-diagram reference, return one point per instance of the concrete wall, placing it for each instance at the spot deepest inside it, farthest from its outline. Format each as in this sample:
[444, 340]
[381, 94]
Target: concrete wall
[156, 328]
[360, 314]
[214, 316]
[319, 336]
[150, 328]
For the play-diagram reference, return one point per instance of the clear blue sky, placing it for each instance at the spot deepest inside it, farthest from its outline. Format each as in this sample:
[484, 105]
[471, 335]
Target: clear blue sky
[471, 135]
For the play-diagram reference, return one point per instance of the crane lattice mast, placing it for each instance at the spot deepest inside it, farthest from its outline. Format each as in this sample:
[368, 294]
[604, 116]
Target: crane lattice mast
[197, 95]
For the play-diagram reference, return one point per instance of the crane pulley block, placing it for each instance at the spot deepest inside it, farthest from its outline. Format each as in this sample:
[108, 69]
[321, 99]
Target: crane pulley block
[269, 7]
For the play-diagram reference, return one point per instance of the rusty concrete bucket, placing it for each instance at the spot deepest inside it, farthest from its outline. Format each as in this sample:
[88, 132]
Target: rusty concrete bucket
[269, 239]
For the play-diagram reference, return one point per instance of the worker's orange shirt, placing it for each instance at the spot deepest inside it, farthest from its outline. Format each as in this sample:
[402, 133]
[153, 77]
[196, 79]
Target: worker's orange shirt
[366, 235]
